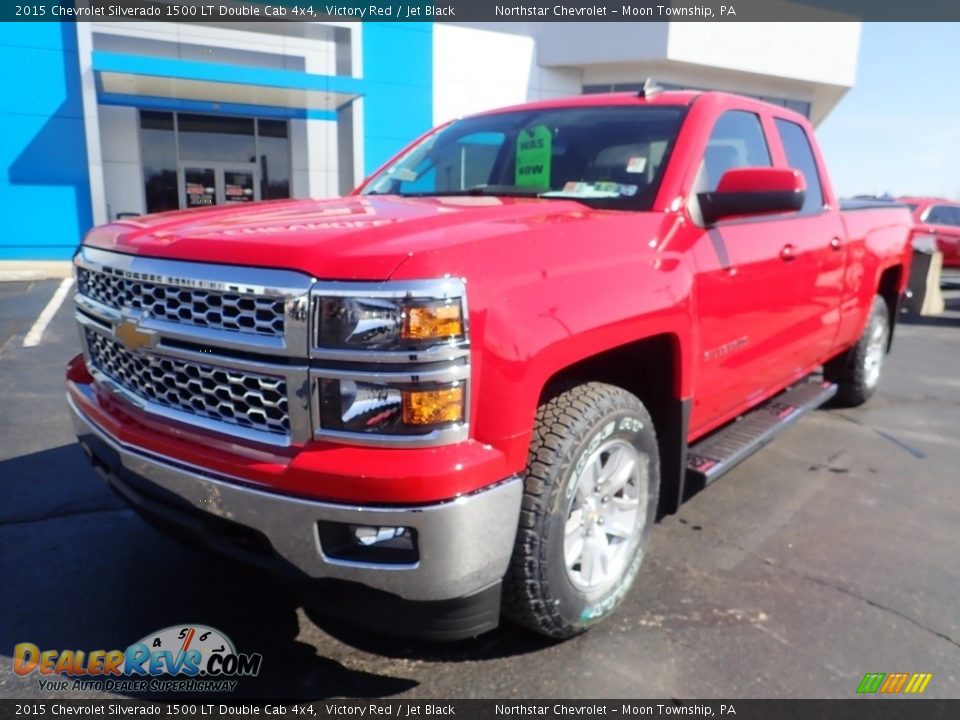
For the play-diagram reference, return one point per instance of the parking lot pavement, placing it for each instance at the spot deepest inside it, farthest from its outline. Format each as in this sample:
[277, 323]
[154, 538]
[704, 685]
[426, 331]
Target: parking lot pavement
[829, 554]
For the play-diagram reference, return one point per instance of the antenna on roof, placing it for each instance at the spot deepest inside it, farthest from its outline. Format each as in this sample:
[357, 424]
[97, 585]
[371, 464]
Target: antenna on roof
[649, 89]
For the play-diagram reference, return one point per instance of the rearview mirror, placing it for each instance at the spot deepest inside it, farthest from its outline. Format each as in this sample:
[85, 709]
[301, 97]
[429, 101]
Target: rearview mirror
[753, 191]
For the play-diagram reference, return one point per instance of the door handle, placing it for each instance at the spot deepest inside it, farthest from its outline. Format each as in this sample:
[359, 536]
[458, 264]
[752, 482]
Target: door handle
[788, 253]
[835, 243]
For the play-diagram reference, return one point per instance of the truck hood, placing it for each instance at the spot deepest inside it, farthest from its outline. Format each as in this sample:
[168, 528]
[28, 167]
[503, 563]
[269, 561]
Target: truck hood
[353, 238]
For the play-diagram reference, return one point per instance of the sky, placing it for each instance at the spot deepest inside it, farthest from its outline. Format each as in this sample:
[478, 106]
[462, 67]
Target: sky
[898, 129]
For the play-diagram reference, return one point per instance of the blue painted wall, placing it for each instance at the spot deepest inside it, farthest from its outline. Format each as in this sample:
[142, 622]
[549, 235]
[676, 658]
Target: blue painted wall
[44, 181]
[398, 87]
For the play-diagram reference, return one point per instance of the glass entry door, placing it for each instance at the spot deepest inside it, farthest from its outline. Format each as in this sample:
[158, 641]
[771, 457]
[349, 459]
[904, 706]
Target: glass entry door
[204, 184]
[240, 185]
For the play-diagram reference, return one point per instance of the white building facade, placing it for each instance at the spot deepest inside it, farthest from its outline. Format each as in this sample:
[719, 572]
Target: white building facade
[806, 66]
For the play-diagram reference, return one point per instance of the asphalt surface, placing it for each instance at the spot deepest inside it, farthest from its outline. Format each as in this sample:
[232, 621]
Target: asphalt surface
[833, 552]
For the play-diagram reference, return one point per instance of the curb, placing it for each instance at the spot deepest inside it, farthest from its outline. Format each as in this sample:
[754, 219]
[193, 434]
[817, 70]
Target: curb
[28, 270]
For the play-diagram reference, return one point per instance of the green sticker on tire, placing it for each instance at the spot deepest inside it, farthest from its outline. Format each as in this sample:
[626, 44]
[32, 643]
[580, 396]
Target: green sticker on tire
[533, 157]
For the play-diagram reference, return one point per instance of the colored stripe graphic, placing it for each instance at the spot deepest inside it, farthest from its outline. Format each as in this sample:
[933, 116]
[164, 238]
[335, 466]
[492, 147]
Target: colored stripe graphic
[871, 682]
[918, 683]
[893, 683]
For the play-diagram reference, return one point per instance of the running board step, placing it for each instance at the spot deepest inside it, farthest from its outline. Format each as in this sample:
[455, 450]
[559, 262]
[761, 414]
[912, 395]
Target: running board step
[712, 456]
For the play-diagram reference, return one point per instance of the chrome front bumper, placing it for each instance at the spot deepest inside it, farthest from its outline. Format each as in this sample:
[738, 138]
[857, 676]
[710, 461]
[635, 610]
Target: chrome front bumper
[464, 544]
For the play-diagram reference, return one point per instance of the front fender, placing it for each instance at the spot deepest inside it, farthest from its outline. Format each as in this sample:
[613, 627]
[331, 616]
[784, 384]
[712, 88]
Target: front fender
[536, 328]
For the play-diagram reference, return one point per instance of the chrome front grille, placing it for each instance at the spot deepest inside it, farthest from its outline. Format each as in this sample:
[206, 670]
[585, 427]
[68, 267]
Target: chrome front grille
[232, 311]
[104, 287]
[257, 402]
[217, 347]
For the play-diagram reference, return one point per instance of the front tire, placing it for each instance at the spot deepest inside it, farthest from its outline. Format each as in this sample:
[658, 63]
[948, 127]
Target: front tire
[857, 371]
[590, 498]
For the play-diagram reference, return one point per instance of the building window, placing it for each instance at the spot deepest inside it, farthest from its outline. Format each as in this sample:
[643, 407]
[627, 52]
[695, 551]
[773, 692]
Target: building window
[159, 152]
[216, 138]
[191, 160]
[274, 159]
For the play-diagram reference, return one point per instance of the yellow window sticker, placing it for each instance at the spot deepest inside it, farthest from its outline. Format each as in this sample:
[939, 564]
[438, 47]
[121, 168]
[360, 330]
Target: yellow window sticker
[533, 157]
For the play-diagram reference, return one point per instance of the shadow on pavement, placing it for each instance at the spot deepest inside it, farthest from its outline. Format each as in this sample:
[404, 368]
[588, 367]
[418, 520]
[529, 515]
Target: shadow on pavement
[53, 483]
[97, 577]
[508, 640]
[83, 572]
[931, 320]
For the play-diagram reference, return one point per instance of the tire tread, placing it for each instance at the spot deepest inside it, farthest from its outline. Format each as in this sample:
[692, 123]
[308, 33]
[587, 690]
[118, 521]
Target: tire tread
[847, 370]
[525, 594]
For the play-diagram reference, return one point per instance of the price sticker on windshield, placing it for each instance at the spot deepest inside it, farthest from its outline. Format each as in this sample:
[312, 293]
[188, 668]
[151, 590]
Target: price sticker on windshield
[534, 147]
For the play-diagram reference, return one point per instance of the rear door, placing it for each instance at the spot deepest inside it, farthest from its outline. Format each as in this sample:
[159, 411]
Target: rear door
[816, 240]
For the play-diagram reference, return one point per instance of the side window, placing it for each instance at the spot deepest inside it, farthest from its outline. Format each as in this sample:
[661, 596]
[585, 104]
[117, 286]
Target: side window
[943, 215]
[796, 144]
[736, 141]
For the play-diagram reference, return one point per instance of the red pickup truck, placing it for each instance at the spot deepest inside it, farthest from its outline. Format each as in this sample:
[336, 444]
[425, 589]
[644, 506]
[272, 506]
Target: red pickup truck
[938, 220]
[471, 387]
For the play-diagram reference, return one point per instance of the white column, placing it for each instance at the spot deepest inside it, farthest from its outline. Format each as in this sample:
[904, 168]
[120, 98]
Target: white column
[91, 123]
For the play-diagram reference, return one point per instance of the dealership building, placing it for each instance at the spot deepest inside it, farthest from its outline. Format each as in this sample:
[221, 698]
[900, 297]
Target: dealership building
[106, 120]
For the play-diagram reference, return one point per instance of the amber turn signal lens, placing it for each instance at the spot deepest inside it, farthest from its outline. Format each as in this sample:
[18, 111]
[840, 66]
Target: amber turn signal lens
[432, 322]
[431, 407]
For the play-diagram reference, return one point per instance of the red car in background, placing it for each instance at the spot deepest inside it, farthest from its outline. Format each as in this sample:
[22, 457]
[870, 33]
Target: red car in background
[941, 219]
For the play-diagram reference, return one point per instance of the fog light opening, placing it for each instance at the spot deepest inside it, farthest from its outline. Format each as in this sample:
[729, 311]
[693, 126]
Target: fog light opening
[396, 536]
[369, 544]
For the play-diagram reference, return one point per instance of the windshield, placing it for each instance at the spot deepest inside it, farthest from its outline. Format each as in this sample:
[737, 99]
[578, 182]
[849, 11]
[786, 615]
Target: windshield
[604, 156]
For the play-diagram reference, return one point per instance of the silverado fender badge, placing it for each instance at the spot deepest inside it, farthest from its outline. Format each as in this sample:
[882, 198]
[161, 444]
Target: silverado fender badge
[128, 333]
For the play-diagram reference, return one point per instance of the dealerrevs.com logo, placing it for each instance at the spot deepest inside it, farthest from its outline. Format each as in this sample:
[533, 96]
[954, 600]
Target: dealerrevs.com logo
[180, 658]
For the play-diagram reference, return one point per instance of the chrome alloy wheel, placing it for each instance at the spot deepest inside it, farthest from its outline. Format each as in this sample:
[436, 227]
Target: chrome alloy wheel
[606, 515]
[873, 357]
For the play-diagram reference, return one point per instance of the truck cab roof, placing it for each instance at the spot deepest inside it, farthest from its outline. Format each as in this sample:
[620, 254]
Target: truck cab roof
[658, 98]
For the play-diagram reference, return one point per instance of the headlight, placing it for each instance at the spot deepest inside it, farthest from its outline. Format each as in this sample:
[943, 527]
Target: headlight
[391, 361]
[360, 407]
[387, 323]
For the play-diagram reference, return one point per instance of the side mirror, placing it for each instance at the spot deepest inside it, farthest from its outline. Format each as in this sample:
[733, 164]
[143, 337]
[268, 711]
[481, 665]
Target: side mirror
[753, 191]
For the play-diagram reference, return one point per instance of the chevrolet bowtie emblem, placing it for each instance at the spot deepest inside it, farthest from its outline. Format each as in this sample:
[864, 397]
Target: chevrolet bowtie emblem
[129, 334]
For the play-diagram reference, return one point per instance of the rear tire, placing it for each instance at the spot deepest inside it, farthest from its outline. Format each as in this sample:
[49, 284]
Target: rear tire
[857, 371]
[590, 498]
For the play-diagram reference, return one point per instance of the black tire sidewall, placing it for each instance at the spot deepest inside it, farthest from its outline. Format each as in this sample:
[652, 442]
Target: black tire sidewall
[572, 606]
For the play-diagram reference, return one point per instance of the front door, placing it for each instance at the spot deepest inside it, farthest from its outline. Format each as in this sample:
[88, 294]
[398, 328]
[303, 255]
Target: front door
[746, 290]
[768, 288]
[203, 184]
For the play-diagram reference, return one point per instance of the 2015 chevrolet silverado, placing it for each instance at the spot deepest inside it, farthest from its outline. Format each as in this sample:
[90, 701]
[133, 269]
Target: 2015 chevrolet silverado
[471, 387]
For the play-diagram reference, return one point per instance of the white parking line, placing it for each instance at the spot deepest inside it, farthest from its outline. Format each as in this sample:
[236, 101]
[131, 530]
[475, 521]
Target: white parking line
[43, 319]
